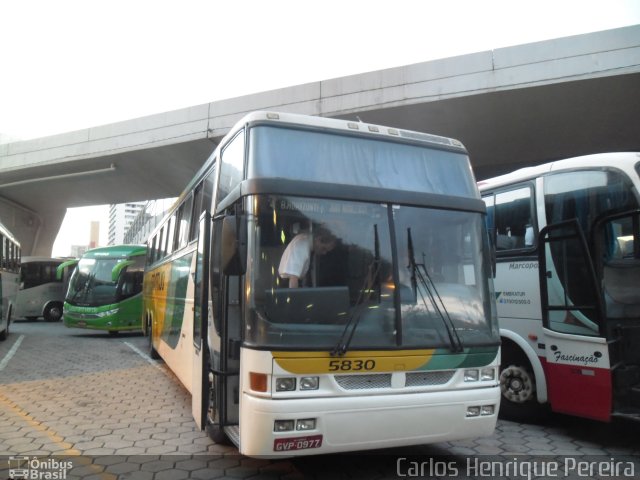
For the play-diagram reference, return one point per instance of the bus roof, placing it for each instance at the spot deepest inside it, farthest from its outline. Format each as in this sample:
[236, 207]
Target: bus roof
[625, 160]
[329, 124]
[116, 251]
[44, 259]
[345, 126]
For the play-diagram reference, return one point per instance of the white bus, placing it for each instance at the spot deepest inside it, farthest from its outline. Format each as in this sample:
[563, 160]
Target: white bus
[390, 338]
[567, 238]
[41, 291]
[9, 267]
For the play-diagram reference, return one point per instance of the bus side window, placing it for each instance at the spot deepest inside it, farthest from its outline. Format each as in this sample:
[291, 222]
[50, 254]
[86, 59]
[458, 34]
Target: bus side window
[170, 240]
[514, 225]
[196, 211]
[161, 251]
[232, 168]
[183, 222]
[151, 251]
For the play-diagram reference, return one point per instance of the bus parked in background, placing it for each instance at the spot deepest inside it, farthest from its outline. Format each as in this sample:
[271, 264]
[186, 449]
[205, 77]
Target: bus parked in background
[567, 238]
[390, 338]
[105, 289]
[41, 291]
[9, 268]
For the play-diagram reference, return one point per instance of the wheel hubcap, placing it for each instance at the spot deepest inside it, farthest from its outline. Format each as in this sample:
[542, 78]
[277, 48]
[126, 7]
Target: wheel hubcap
[516, 384]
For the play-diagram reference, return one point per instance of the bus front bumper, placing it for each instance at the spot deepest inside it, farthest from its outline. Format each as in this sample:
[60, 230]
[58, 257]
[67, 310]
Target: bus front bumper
[93, 321]
[344, 424]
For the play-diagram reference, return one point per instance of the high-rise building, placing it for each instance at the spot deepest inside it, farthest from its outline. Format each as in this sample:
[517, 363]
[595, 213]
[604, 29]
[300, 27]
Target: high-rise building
[120, 218]
[94, 234]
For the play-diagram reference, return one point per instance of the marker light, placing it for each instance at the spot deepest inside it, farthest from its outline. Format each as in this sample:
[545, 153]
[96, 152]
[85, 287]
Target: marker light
[309, 383]
[285, 384]
[258, 381]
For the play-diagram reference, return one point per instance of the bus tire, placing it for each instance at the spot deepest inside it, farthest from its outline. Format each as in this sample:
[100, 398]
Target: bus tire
[518, 387]
[5, 333]
[153, 353]
[53, 312]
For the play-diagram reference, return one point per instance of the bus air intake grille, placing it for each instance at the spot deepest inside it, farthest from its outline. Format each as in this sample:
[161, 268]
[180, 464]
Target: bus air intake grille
[364, 382]
[426, 379]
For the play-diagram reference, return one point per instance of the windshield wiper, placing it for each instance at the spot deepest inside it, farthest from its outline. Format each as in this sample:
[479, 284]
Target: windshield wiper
[419, 273]
[366, 291]
[86, 287]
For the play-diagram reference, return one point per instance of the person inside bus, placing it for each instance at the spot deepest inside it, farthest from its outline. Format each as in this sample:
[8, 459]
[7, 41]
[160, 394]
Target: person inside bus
[296, 259]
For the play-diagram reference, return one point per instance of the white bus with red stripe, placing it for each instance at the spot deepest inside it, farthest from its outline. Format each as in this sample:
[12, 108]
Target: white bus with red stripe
[567, 242]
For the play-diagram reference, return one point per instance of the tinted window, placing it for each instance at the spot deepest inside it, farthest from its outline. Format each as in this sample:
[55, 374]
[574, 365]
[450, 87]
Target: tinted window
[349, 160]
[510, 219]
[231, 172]
[586, 195]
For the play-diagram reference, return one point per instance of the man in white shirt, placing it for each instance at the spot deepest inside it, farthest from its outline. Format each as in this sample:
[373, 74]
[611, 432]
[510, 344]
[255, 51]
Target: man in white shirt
[296, 258]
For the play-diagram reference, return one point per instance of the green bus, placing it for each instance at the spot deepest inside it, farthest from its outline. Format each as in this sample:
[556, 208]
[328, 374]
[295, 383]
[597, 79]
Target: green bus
[105, 289]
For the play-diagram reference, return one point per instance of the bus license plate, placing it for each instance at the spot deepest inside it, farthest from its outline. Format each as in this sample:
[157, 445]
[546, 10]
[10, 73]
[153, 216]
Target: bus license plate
[297, 443]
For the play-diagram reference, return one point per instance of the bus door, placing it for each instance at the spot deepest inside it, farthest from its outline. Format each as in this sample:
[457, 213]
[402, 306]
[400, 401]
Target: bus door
[199, 390]
[577, 352]
[225, 337]
[617, 246]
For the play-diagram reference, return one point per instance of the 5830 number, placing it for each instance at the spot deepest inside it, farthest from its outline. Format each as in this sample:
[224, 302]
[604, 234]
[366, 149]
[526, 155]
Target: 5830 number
[345, 365]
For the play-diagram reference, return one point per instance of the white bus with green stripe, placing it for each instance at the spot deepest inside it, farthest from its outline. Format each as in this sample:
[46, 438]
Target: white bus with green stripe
[390, 341]
[9, 271]
[105, 289]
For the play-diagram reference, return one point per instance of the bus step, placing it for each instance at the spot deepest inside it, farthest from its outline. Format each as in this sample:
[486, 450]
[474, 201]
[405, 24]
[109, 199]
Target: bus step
[233, 432]
[627, 415]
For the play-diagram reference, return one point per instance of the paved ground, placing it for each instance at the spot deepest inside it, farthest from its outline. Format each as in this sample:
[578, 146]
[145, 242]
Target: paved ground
[98, 402]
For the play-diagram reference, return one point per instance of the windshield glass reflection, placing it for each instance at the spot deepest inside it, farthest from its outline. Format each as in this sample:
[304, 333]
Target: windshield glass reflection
[342, 291]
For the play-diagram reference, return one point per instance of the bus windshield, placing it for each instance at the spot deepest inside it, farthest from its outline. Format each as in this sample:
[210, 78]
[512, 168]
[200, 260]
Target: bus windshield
[359, 290]
[91, 283]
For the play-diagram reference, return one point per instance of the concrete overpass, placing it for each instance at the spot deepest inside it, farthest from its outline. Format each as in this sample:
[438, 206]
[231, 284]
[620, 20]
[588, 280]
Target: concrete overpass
[511, 107]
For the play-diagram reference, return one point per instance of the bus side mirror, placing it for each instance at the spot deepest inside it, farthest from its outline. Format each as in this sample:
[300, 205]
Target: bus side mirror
[233, 243]
[117, 270]
[62, 266]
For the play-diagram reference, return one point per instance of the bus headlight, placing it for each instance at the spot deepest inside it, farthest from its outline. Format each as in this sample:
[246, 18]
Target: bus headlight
[306, 424]
[309, 383]
[487, 409]
[471, 375]
[488, 373]
[107, 313]
[283, 425]
[473, 411]
[285, 384]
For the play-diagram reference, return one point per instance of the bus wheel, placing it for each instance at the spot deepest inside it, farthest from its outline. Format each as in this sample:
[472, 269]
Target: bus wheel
[53, 313]
[153, 353]
[5, 333]
[518, 388]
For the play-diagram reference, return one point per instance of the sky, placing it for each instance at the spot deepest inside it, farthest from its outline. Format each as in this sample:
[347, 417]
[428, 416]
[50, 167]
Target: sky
[67, 65]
